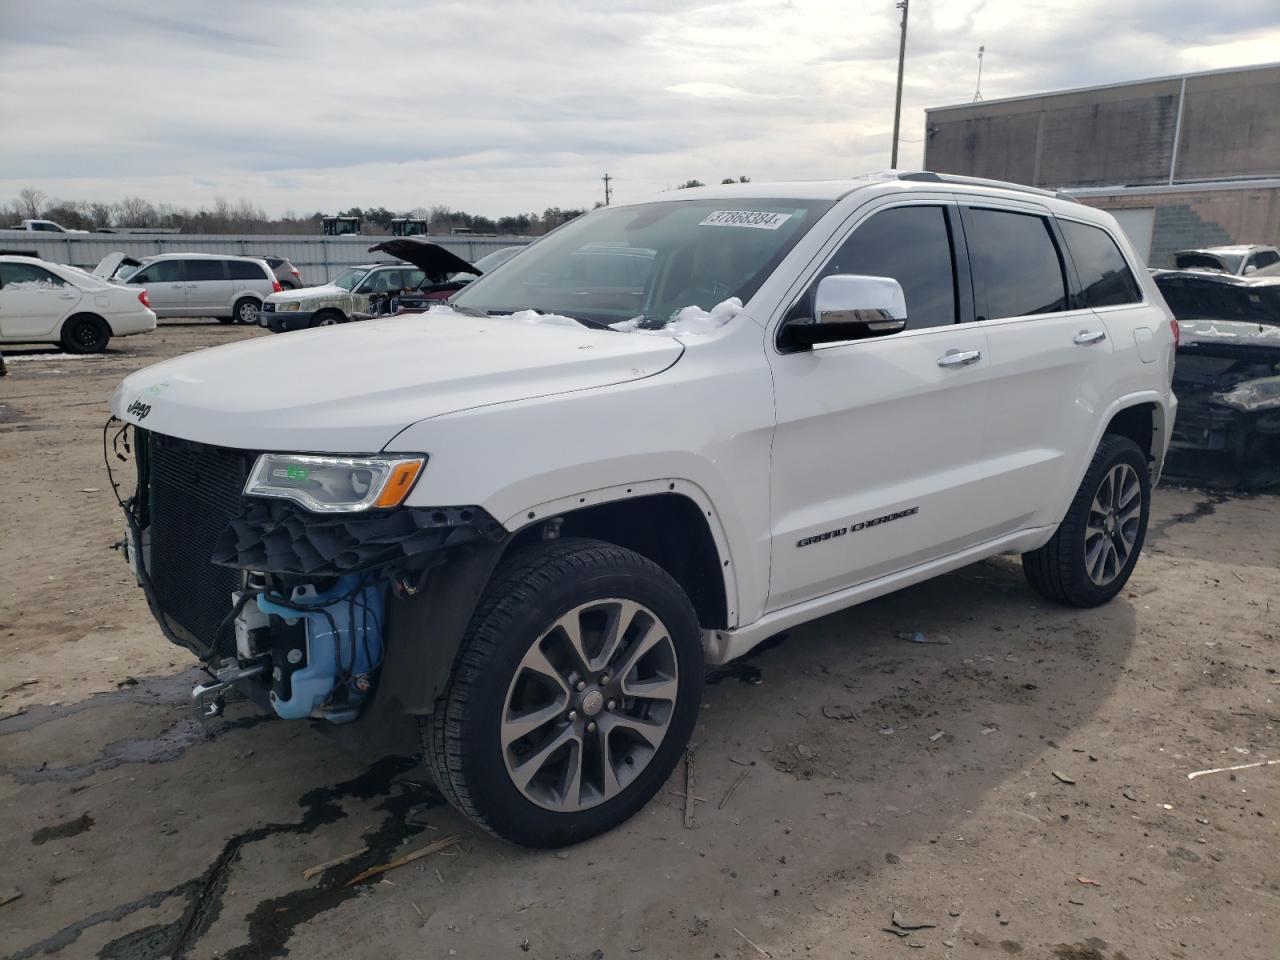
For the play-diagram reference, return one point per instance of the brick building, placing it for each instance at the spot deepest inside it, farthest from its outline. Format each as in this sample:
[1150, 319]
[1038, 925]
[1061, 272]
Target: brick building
[1183, 161]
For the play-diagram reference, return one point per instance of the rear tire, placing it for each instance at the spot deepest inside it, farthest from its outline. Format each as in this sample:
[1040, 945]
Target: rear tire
[85, 333]
[246, 311]
[545, 742]
[1096, 546]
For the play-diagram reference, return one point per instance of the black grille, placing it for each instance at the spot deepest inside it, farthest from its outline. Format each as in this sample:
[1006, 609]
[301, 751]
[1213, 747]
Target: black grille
[268, 307]
[195, 490]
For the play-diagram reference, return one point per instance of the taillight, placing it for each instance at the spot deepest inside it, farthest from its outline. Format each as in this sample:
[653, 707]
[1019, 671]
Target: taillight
[144, 299]
[275, 286]
[295, 272]
[1177, 333]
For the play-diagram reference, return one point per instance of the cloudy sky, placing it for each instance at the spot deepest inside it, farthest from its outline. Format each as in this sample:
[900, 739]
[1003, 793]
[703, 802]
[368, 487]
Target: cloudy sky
[503, 106]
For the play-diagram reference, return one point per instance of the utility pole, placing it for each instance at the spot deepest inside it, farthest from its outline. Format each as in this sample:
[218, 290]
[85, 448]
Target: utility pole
[897, 106]
[977, 93]
[607, 179]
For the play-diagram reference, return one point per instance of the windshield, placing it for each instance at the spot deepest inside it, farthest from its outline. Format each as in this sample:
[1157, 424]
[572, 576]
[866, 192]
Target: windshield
[647, 261]
[127, 270]
[349, 278]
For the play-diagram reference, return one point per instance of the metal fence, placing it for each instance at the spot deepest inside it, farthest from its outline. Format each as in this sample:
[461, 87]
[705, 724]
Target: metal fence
[318, 259]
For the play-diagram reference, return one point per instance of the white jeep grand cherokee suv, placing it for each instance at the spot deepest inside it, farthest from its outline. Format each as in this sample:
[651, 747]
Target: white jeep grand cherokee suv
[528, 520]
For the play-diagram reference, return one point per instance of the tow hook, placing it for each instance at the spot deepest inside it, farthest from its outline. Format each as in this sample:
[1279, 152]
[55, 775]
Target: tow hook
[208, 699]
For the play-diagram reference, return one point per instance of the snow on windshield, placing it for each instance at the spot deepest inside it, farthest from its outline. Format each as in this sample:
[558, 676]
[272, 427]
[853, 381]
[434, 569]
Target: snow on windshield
[687, 321]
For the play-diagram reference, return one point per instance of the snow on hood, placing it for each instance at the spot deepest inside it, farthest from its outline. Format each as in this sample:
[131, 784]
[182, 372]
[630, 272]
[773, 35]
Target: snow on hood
[352, 388]
[688, 321]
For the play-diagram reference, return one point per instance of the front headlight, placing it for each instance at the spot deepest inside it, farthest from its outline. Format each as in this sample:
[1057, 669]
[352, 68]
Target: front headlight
[334, 484]
[293, 306]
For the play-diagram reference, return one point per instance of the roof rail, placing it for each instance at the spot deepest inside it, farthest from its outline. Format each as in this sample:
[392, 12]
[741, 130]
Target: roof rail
[929, 176]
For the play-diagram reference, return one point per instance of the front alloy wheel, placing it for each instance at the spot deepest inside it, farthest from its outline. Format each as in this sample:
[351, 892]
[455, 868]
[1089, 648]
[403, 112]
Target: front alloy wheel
[573, 695]
[589, 705]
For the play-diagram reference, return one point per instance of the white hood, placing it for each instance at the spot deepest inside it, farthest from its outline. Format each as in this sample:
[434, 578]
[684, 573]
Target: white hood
[326, 291]
[351, 388]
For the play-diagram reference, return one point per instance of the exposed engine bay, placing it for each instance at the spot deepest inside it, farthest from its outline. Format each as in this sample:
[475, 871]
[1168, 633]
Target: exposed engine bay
[286, 606]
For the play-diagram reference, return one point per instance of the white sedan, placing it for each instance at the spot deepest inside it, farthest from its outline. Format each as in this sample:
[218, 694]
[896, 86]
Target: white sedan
[42, 302]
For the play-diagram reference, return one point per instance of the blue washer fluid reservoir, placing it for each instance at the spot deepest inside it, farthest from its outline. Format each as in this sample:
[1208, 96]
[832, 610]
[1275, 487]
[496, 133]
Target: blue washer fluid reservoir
[354, 606]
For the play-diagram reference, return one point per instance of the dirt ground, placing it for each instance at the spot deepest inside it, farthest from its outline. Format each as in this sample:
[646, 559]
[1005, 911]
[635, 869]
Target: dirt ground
[1020, 791]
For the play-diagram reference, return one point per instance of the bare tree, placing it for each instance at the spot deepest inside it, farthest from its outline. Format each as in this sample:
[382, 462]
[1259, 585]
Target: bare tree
[31, 202]
[136, 212]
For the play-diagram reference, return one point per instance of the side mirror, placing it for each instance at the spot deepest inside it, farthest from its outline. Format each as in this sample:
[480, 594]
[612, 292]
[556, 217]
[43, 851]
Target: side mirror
[849, 307]
[1250, 268]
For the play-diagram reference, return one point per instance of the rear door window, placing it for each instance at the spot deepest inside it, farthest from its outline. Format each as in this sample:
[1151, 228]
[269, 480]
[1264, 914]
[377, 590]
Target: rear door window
[245, 270]
[1016, 261]
[27, 276]
[205, 270]
[1105, 277]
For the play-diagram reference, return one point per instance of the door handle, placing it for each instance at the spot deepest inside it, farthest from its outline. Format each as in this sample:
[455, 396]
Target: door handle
[176, 286]
[1086, 337]
[959, 358]
[66, 296]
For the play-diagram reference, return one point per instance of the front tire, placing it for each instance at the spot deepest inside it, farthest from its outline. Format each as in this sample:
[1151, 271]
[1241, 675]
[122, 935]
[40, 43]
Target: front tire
[328, 318]
[85, 333]
[1096, 546]
[573, 696]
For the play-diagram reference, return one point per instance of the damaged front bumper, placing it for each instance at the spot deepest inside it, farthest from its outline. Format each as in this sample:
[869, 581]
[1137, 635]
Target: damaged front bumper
[288, 607]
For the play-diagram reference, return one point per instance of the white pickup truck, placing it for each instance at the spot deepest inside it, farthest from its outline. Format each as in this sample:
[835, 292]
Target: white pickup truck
[528, 520]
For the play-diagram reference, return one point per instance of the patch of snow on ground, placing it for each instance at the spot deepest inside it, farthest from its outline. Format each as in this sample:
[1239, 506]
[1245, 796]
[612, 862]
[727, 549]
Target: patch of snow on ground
[688, 321]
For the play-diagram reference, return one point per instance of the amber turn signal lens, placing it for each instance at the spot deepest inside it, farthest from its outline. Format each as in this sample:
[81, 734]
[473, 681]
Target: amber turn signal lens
[399, 484]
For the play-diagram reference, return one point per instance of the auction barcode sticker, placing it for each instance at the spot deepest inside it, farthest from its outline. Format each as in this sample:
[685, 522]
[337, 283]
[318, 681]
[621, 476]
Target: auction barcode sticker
[759, 219]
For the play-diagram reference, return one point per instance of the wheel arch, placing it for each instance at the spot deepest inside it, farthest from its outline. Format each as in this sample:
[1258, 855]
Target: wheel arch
[664, 521]
[1143, 423]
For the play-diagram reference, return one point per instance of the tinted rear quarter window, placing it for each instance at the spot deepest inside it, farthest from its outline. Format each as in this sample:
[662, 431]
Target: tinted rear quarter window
[1016, 260]
[1105, 277]
[204, 270]
[913, 246]
[245, 270]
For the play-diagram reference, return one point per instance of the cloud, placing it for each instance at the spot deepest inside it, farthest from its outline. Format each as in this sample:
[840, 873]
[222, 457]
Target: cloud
[513, 105]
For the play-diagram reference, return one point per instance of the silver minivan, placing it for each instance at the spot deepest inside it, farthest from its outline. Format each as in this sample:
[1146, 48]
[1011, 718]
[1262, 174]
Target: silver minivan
[203, 285]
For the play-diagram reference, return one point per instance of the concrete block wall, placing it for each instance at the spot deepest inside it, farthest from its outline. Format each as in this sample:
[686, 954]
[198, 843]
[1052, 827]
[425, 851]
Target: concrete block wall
[1202, 218]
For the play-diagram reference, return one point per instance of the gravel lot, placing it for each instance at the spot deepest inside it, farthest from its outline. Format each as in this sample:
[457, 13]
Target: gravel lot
[1021, 790]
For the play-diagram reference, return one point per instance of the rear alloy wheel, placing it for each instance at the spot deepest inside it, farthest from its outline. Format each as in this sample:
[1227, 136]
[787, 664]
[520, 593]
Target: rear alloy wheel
[246, 311]
[85, 333]
[1097, 544]
[574, 695]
